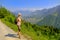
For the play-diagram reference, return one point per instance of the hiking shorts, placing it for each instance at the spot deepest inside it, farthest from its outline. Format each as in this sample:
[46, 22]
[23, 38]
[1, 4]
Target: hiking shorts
[18, 25]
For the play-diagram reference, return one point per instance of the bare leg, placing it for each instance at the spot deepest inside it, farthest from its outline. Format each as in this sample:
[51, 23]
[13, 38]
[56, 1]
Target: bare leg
[19, 34]
[19, 31]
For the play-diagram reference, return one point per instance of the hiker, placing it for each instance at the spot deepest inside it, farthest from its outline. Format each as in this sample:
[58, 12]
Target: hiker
[19, 23]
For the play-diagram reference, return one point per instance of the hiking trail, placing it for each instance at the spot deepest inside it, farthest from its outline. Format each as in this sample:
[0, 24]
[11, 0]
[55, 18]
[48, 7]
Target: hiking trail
[8, 34]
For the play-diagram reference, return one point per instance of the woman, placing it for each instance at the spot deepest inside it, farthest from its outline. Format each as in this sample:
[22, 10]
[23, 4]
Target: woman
[19, 23]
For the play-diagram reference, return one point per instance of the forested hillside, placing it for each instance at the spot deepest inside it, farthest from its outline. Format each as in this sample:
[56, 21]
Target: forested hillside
[34, 31]
[52, 19]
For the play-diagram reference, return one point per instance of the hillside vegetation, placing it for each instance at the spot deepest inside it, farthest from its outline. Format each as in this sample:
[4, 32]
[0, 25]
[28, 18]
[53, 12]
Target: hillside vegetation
[34, 31]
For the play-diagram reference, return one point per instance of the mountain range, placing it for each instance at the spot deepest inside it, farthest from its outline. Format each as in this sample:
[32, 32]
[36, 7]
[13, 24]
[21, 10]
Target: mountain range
[50, 17]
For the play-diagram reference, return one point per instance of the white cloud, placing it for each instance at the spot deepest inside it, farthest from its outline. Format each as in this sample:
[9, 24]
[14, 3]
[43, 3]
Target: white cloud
[24, 9]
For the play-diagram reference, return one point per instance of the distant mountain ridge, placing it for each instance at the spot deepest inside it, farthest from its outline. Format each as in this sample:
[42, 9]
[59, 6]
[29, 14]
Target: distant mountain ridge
[52, 19]
[38, 15]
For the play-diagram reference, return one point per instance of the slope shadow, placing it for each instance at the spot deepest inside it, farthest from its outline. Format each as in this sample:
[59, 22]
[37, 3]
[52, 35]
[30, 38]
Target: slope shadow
[11, 35]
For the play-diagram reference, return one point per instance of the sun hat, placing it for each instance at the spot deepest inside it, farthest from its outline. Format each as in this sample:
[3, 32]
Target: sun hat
[19, 14]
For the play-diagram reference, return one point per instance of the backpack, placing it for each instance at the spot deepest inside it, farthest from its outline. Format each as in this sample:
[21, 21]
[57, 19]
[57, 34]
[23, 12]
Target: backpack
[15, 21]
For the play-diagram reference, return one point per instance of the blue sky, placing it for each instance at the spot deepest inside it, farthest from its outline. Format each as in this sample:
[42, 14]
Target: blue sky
[28, 4]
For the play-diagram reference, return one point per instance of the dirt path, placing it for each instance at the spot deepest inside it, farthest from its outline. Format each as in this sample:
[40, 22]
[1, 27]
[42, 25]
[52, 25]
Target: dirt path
[8, 34]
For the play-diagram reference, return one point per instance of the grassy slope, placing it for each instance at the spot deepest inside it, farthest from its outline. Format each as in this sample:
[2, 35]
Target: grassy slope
[36, 34]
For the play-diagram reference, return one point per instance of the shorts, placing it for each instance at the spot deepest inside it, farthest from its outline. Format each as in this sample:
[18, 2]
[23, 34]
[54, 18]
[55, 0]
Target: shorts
[18, 24]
